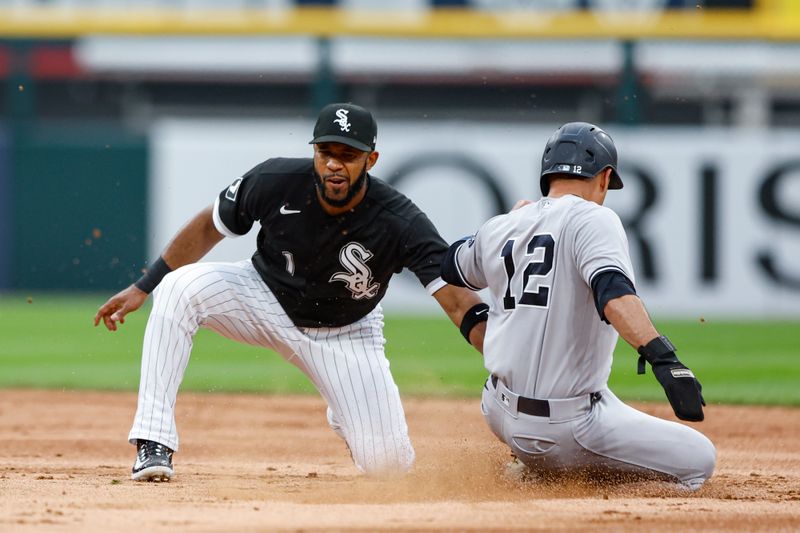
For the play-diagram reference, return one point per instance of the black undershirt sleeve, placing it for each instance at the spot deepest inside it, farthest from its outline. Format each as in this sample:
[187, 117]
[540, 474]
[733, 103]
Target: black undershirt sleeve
[607, 286]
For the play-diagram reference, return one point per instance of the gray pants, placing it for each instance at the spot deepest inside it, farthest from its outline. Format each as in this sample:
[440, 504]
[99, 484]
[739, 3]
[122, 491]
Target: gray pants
[582, 435]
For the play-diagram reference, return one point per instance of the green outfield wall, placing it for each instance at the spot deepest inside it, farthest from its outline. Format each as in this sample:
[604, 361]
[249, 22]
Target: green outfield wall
[77, 197]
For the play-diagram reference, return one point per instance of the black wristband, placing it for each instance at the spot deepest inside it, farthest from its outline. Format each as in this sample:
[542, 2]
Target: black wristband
[657, 349]
[153, 276]
[474, 315]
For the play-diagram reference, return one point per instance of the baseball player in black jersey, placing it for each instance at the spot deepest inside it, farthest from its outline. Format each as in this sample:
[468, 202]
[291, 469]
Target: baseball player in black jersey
[331, 237]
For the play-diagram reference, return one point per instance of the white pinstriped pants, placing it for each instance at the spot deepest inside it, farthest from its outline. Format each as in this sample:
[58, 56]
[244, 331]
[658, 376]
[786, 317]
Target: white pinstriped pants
[346, 364]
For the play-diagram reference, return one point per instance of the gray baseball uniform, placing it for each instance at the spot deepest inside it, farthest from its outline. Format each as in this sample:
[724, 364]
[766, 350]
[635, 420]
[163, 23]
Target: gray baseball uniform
[545, 341]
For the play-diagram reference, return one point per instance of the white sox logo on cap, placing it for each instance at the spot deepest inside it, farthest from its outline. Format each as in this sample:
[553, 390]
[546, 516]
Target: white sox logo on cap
[342, 120]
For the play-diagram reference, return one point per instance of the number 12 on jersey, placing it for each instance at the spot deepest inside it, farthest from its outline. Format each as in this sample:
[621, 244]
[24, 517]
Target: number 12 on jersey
[539, 268]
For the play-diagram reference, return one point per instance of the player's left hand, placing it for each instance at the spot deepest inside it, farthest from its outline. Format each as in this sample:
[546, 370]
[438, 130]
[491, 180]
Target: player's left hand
[684, 391]
[119, 305]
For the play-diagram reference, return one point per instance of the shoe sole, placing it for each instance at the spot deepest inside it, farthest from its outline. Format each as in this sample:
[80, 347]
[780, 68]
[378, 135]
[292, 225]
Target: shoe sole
[154, 473]
[519, 472]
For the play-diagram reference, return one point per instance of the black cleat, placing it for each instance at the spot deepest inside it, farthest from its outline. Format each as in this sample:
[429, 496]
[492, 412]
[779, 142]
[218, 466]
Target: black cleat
[153, 462]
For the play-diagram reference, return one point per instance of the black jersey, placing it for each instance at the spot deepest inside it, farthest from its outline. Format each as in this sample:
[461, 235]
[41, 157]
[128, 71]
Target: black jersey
[328, 270]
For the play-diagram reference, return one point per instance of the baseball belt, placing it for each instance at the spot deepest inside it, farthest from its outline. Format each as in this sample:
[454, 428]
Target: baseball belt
[536, 407]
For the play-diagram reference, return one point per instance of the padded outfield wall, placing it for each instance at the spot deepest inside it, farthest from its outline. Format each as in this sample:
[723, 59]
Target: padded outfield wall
[74, 211]
[711, 214]
[5, 211]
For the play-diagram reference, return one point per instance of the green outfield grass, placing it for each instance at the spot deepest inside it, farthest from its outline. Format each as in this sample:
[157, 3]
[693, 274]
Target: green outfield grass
[50, 342]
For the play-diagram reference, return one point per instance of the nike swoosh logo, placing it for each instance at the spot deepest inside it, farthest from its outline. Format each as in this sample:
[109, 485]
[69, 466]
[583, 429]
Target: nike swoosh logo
[286, 211]
[482, 312]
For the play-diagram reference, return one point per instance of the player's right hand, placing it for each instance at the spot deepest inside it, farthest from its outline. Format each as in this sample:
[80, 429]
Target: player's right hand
[119, 305]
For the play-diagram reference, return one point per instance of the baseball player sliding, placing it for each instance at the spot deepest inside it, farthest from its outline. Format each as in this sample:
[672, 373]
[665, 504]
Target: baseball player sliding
[562, 289]
[331, 237]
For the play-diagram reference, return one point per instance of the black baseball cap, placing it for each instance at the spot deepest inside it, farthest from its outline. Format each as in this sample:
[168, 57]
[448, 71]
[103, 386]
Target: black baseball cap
[347, 124]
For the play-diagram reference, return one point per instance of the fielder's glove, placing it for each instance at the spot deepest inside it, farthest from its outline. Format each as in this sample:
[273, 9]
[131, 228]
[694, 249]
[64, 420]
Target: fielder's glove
[683, 390]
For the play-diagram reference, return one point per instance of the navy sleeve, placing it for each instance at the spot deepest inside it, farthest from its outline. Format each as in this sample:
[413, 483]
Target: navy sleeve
[608, 286]
[449, 269]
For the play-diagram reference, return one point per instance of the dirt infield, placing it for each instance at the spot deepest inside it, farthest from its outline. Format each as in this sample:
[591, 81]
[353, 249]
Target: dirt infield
[264, 463]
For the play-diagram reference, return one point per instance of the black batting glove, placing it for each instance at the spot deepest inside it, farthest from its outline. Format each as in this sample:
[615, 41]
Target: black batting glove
[683, 390]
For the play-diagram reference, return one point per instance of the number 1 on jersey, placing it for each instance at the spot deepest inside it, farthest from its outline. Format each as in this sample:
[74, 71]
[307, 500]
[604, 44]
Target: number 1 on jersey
[539, 297]
[289, 262]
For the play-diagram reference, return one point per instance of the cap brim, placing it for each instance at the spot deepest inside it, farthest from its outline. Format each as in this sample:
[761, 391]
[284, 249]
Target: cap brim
[358, 145]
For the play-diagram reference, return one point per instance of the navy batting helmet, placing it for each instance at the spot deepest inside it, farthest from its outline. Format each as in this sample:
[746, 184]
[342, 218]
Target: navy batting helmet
[581, 149]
